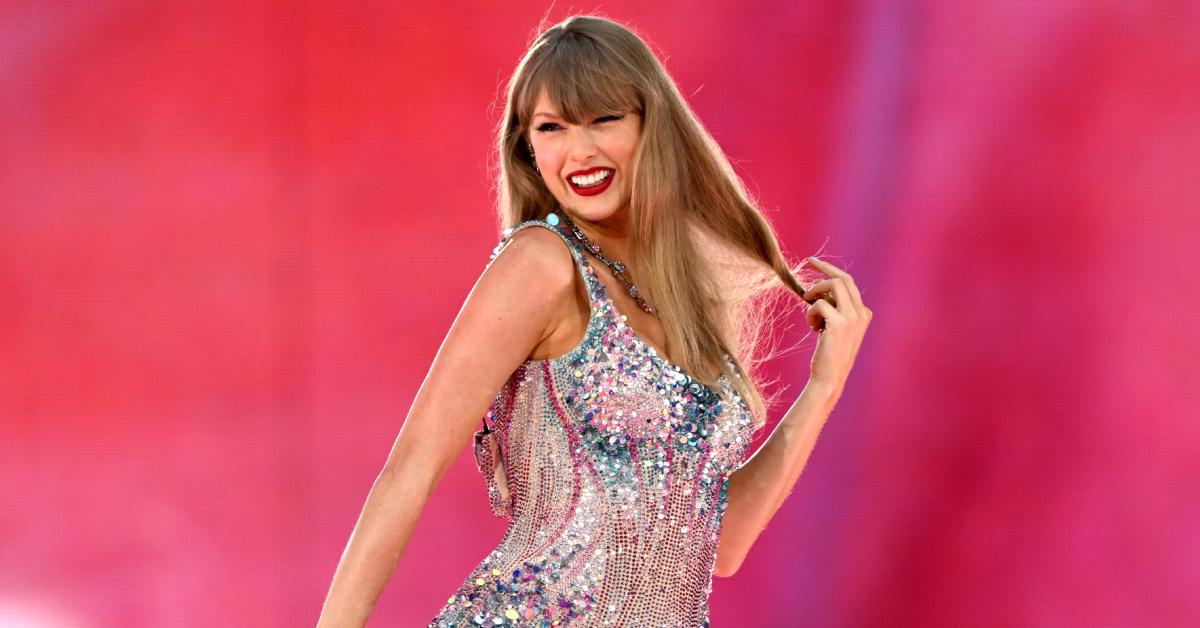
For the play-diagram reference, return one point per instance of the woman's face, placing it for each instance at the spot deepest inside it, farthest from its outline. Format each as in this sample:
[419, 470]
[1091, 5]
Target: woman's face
[586, 166]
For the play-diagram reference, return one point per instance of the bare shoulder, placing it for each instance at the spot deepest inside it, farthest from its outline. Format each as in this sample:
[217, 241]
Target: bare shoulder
[537, 268]
[515, 304]
[535, 264]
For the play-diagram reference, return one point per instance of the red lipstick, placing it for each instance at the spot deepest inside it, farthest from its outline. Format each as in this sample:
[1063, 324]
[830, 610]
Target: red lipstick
[594, 189]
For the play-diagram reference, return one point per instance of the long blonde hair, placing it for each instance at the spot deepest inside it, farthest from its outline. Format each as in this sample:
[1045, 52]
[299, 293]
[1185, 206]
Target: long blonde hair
[700, 247]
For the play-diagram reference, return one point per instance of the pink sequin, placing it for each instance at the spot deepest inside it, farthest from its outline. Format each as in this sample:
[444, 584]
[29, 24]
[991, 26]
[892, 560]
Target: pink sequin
[613, 466]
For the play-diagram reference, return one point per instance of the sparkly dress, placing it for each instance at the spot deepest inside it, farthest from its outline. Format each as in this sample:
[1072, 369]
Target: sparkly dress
[612, 465]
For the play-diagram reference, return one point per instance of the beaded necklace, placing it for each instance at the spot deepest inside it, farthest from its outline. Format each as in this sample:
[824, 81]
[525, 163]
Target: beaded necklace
[617, 268]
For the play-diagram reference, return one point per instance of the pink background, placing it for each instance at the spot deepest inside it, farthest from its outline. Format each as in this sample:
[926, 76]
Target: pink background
[234, 234]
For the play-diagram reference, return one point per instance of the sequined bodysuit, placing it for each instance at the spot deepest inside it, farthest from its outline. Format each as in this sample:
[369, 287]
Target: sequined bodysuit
[612, 464]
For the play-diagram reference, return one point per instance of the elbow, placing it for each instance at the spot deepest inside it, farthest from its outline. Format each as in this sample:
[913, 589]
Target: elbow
[724, 571]
[729, 555]
[726, 566]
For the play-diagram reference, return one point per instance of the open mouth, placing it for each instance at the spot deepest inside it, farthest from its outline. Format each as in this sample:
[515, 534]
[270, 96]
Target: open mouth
[593, 183]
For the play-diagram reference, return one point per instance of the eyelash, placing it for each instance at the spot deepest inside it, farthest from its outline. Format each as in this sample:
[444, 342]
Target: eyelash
[543, 127]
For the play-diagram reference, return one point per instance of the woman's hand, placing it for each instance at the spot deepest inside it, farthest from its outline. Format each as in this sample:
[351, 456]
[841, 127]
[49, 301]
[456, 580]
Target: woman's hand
[836, 310]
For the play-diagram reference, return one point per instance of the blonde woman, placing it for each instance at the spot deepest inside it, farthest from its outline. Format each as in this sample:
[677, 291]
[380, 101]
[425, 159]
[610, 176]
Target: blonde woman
[609, 348]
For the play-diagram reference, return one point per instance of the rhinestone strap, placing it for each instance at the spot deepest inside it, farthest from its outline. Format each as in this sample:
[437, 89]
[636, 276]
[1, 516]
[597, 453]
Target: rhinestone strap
[617, 268]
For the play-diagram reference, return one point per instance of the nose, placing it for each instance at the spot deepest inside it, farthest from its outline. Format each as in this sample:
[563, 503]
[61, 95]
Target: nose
[582, 146]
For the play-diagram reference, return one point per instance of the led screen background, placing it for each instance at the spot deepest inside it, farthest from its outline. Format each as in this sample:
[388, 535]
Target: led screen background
[234, 234]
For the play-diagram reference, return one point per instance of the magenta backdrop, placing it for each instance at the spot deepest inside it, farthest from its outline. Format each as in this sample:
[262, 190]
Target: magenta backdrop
[234, 234]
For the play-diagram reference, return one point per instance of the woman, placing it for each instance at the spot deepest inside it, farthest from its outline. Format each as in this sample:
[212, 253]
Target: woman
[616, 440]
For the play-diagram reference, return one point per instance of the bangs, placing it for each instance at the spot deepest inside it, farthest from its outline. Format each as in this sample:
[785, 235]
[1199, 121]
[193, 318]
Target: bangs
[580, 80]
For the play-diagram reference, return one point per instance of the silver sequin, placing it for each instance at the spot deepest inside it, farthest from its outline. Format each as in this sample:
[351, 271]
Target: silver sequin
[613, 466]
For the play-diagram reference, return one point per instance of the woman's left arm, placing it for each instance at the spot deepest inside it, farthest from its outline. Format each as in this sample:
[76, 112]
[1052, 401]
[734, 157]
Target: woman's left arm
[761, 484]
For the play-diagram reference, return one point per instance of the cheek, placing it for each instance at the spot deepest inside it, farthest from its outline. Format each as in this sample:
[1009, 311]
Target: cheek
[550, 162]
[628, 148]
[627, 158]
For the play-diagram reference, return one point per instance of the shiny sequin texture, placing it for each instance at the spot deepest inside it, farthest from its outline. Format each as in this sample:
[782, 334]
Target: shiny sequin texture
[612, 465]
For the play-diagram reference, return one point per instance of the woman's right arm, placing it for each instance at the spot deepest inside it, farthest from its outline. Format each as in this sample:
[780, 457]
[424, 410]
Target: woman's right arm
[514, 305]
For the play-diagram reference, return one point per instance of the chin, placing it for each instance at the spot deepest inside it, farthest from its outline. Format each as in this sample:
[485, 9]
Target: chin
[594, 212]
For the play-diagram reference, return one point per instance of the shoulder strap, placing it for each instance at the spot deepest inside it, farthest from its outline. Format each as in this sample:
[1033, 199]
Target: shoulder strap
[576, 250]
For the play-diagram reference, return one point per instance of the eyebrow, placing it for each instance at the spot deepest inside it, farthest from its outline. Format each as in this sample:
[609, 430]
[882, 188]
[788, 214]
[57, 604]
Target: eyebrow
[543, 113]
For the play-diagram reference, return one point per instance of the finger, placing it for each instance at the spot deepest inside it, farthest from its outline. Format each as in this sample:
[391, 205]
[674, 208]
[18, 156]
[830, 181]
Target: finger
[827, 289]
[841, 292]
[834, 271]
[818, 290]
[820, 314]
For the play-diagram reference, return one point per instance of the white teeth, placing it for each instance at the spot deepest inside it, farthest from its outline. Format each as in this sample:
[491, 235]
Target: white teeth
[592, 179]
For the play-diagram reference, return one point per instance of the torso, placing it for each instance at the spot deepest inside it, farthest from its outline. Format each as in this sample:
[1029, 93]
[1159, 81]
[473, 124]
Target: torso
[612, 466]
